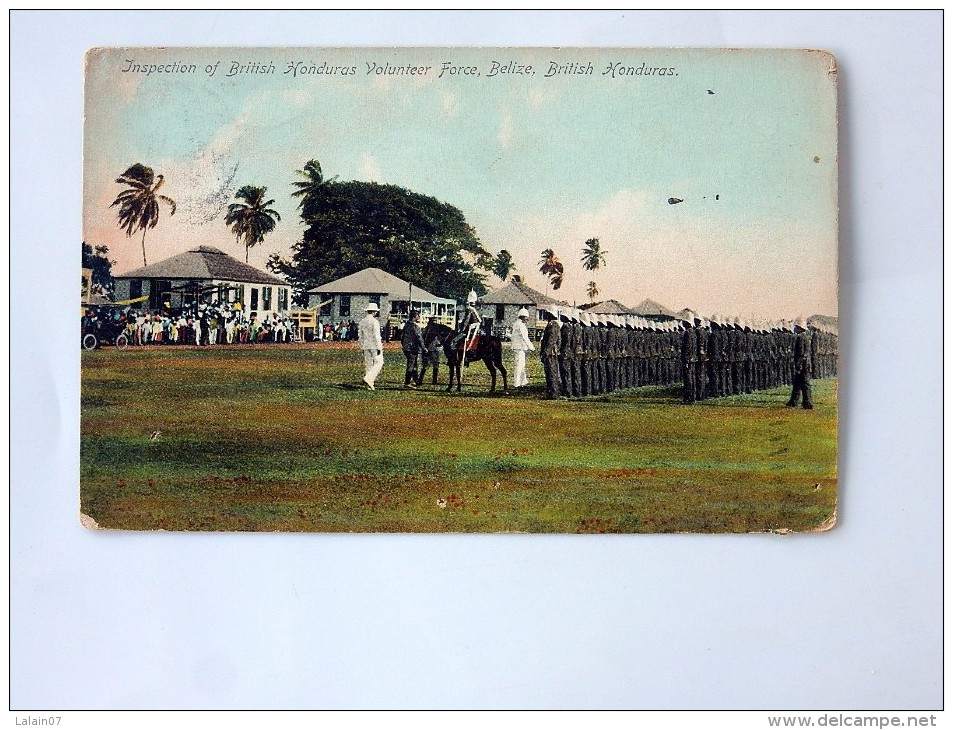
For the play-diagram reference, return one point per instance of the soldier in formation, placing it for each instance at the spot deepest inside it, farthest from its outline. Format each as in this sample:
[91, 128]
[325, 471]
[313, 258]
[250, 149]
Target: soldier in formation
[724, 356]
[587, 354]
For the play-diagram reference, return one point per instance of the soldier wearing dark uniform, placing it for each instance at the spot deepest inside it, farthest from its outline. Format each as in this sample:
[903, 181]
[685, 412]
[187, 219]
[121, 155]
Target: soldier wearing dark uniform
[566, 351]
[412, 343]
[701, 361]
[602, 353]
[734, 372]
[801, 367]
[689, 361]
[577, 355]
[625, 354]
[549, 352]
[747, 368]
[591, 348]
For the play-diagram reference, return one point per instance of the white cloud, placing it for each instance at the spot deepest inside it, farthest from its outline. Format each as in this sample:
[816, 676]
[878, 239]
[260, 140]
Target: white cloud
[369, 169]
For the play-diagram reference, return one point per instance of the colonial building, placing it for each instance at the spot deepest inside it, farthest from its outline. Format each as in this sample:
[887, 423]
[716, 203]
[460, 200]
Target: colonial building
[346, 299]
[653, 310]
[502, 305]
[609, 306]
[204, 274]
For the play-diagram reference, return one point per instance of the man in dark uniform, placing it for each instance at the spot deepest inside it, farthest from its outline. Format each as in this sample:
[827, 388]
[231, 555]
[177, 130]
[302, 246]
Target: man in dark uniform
[412, 343]
[689, 358]
[431, 356]
[586, 342]
[601, 344]
[578, 353]
[801, 366]
[549, 352]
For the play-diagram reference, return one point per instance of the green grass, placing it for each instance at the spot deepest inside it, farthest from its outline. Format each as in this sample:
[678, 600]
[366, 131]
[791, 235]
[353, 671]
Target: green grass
[282, 439]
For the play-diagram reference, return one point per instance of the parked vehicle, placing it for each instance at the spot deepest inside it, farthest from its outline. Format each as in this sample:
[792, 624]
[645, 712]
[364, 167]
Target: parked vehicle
[104, 324]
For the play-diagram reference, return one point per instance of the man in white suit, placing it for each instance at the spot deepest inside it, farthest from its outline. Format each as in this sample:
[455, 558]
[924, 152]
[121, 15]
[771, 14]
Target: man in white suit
[369, 340]
[521, 344]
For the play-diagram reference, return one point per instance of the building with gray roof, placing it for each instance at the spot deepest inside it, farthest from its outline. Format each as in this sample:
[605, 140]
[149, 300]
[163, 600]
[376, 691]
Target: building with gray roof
[203, 275]
[502, 305]
[346, 299]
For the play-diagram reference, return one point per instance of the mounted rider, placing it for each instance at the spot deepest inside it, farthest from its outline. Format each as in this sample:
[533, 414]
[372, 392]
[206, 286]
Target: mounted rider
[469, 326]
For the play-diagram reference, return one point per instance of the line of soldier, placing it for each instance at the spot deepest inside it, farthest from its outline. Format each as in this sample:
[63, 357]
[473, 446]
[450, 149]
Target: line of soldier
[724, 356]
[585, 354]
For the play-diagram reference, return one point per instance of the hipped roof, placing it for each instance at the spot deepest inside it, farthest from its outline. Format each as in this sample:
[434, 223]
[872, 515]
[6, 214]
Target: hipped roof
[375, 281]
[204, 262]
[649, 307]
[516, 292]
[610, 306]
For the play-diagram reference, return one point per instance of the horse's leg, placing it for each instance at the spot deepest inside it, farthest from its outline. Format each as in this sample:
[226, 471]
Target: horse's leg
[489, 366]
[499, 364]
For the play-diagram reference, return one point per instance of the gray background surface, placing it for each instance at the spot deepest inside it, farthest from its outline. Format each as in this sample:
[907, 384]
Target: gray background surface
[847, 619]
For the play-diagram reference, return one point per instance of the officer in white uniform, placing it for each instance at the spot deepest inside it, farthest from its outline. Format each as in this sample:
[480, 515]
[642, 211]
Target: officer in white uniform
[369, 340]
[521, 344]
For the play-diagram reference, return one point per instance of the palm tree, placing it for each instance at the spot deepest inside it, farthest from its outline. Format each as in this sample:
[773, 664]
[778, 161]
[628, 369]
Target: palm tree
[551, 267]
[313, 181]
[503, 265]
[252, 219]
[139, 202]
[593, 291]
[593, 257]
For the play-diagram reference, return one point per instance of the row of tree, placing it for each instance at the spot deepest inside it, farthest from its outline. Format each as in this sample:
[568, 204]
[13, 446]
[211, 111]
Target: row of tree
[349, 226]
[593, 258]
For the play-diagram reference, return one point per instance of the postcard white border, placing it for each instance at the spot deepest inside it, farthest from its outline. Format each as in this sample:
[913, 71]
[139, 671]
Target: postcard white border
[850, 618]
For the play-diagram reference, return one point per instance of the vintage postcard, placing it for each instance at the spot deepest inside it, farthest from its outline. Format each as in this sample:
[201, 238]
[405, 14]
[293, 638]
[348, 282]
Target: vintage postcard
[498, 290]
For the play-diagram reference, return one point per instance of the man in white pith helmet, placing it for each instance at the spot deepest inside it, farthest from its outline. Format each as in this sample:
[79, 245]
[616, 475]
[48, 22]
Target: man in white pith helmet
[369, 340]
[470, 323]
[521, 344]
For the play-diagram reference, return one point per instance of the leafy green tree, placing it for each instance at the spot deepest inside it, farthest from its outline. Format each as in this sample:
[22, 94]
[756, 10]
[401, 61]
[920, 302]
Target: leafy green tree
[251, 218]
[503, 265]
[551, 267]
[593, 257]
[139, 202]
[592, 291]
[313, 181]
[98, 262]
[354, 225]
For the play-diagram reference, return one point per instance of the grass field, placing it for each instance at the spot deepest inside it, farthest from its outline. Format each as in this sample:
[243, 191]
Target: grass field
[280, 438]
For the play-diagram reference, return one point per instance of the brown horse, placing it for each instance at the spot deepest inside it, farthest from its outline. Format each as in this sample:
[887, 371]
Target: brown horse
[488, 349]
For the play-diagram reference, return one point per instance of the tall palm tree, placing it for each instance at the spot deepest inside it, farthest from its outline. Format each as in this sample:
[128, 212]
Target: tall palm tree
[252, 219]
[593, 257]
[503, 265]
[139, 202]
[551, 267]
[593, 291]
[313, 181]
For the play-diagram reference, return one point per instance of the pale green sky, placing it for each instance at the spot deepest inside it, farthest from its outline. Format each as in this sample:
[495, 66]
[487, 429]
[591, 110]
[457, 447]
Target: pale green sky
[533, 162]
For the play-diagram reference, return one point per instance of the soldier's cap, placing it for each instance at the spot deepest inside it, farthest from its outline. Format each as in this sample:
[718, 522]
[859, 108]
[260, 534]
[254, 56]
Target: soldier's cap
[371, 307]
[523, 312]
